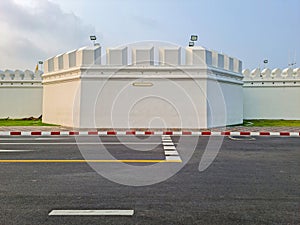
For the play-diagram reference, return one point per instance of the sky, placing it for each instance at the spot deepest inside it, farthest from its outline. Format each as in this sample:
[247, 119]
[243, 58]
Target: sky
[251, 30]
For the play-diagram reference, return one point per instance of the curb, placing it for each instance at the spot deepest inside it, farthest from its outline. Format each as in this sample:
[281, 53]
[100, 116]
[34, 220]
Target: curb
[145, 133]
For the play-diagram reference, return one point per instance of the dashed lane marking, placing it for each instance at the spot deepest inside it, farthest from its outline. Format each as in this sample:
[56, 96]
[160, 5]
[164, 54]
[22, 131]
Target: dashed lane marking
[106, 212]
[79, 143]
[14, 150]
[90, 161]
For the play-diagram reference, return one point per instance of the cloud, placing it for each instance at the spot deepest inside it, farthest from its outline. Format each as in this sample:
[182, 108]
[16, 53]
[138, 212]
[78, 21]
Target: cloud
[36, 32]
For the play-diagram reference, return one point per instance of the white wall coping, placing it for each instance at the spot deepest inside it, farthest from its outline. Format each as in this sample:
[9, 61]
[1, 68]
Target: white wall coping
[258, 74]
[19, 77]
[196, 56]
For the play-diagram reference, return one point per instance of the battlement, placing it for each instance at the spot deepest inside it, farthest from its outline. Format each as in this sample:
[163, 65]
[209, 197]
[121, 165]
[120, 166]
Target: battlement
[267, 74]
[142, 56]
[275, 77]
[21, 93]
[19, 77]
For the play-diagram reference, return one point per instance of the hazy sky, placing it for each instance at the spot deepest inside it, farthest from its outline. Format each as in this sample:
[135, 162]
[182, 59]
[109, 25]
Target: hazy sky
[250, 30]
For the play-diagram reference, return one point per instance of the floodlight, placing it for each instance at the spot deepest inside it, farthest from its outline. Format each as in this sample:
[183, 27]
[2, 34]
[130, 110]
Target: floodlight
[41, 62]
[194, 37]
[93, 38]
[191, 44]
[266, 61]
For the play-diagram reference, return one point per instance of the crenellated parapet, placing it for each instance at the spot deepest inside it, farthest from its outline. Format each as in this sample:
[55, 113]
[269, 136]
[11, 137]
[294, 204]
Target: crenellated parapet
[83, 57]
[136, 61]
[274, 77]
[141, 57]
[20, 78]
[21, 93]
[272, 93]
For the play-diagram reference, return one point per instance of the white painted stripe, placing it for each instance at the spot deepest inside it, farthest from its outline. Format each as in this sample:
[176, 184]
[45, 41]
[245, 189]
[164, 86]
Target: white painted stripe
[80, 143]
[169, 147]
[168, 143]
[171, 153]
[167, 140]
[275, 133]
[216, 133]
[83, 133]
[107, 212]
[48, 138]
[4, 133]
[177, 133]
[14, 150]
[64, 133]
[140, 133]
[254, 133]
[33, 138]
[173, 158]
[235, 133]
[294, 134]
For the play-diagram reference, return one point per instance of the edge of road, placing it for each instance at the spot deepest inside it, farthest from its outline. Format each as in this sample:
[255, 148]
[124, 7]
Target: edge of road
[148, 133]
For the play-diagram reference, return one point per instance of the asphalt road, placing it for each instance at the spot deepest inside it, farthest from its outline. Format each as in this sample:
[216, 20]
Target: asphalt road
[251, 181]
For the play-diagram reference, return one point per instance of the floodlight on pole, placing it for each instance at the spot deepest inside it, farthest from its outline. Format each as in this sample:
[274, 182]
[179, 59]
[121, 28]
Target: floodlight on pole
[41, 63]
[191, 44]
[194, 37]
[93, 38]
[265, 62]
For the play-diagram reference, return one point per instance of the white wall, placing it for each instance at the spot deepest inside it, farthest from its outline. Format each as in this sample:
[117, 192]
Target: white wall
[61, 103]
[272, 94]
[20, 94]
[225, 103]
[121, 104]
[272, 103]
[143, 95]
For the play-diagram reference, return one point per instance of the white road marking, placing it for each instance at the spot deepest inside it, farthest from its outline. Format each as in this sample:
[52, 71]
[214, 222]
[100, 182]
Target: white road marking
[81, 143]
[171, 153]
[45, 138]
[107, 212]
[242, 138]
[168, 143]
[14, 150]
[169, 147]
[173, 158]
[32, 138]
[166, 138]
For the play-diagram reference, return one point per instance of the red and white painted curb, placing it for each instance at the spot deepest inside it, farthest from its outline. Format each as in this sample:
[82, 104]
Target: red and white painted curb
[146, 133]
